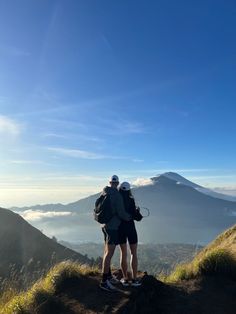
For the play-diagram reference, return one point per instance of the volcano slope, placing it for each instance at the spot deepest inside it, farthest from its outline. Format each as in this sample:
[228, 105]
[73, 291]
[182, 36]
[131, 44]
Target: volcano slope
[206, 285]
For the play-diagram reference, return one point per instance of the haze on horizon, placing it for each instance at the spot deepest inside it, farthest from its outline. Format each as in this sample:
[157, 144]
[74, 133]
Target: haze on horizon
[89, 89]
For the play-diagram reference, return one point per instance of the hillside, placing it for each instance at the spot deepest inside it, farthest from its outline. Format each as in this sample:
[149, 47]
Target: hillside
[26, 249]
[71, 289]
[217, 258]
[179, 212]
[226, 240]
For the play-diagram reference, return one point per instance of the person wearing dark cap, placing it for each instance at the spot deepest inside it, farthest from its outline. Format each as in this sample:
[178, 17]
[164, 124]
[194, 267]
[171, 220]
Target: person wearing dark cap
[110, 232]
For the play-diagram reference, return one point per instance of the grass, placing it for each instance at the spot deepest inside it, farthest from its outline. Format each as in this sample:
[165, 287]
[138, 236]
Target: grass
[218, 259]
[217, 262]
[44, 291]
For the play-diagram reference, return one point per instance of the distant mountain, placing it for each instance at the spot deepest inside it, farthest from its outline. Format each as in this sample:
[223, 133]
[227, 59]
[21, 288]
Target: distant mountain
[179, 212]
[178, 178]
[25, 248]
[181, 180]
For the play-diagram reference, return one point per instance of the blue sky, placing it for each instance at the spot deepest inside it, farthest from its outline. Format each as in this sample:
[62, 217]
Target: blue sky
[92, 88]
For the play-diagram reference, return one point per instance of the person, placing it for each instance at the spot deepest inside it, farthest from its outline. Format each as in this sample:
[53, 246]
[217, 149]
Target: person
[110, 231]
[127, 231]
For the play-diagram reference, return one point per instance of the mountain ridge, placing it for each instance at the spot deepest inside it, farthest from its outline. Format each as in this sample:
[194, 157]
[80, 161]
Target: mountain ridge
[170, 175]
[193, 216]
[24, 246]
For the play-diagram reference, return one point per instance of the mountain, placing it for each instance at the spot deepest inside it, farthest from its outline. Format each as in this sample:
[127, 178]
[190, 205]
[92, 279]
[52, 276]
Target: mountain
[178, 178]
[24, 248]
[69, 288]
[179, 212]
[181, 180]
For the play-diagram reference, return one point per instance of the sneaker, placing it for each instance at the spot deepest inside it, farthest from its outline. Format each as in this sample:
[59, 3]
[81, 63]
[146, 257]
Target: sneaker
[136, 283]
[113, 280]
[107, 286]
[124, 282]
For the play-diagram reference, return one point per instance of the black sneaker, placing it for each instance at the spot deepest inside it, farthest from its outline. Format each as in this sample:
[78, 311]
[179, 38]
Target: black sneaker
[107, 286]
[136, 283]
[113, 280]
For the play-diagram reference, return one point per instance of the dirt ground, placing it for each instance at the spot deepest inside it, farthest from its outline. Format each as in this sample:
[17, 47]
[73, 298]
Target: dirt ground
[203, 296]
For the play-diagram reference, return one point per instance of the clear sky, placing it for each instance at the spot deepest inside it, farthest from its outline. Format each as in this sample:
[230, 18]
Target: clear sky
[90, 88]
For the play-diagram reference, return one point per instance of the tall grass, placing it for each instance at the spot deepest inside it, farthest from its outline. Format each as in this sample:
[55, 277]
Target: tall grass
[218, 262]
[44, 290]
[17, 281]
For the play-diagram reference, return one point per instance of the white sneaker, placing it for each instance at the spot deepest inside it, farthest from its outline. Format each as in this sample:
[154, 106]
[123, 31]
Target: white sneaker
[124, 282]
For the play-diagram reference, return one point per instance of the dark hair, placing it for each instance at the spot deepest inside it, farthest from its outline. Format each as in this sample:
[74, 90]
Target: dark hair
[125, 193]
[127, 196]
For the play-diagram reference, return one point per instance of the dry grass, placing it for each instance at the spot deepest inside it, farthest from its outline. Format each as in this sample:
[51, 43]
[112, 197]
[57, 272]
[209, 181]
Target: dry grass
[217, 262]
[218, 258]
[44, 290]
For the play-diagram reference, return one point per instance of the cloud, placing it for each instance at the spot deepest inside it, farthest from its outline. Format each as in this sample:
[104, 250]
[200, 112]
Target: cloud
[77, 153]
[36, 215]
[76, 136]
[54, 135]
[121, 127]
[229, 190]
[137, 160]
[27, 162]
[83, 154]
[129, 127]
[142, 181]
[9, 126]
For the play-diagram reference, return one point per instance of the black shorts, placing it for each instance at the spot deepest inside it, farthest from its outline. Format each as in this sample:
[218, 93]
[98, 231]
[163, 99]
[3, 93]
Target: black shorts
[110, 236]
[127, 231]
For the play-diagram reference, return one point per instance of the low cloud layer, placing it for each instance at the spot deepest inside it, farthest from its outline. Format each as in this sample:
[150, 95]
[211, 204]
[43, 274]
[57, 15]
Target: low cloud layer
[37, 215]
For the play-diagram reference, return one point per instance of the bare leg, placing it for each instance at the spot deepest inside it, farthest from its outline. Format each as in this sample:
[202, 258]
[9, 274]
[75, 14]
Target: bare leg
[108, 253]
[123, 260]
[133, 260]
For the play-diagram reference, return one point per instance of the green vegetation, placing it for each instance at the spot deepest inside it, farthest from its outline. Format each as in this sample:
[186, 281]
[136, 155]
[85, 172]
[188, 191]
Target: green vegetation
[218, 258]
[215, 262]
[43, 292]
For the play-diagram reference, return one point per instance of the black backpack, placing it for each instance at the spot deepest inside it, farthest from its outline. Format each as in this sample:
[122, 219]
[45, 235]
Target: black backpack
[103, 211]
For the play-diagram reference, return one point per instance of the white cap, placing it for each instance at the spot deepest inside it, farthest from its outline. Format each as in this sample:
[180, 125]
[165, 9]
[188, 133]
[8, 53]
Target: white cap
[125, 186]
[114, 178]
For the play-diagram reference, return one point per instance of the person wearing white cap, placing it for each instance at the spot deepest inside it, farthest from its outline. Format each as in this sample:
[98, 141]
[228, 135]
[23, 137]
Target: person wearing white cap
[110, 231]
[127, 232]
